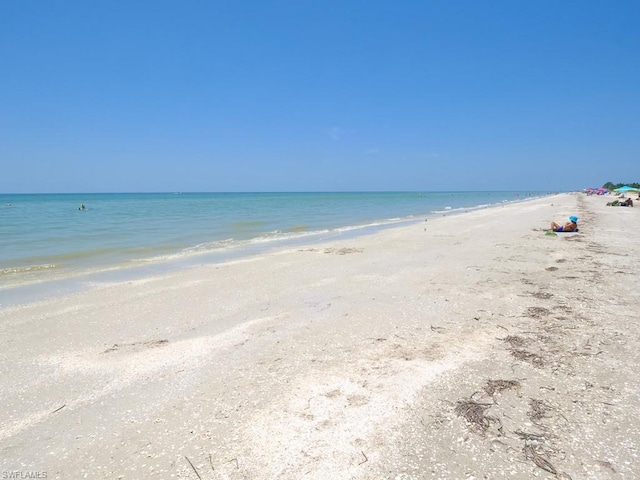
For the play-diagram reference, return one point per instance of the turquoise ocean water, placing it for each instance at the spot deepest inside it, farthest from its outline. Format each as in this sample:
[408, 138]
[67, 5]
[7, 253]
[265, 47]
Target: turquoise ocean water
[46, 238]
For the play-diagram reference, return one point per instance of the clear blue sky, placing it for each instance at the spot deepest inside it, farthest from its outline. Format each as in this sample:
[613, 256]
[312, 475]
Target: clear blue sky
[190, 95]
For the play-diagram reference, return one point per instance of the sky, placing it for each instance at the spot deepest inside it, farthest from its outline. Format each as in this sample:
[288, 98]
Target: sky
[334, 95]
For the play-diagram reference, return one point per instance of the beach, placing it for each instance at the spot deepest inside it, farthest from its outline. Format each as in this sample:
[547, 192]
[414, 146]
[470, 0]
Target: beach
[468, 346]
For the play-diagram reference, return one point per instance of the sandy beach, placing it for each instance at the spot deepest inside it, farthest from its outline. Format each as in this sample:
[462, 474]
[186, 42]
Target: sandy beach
[471, 346]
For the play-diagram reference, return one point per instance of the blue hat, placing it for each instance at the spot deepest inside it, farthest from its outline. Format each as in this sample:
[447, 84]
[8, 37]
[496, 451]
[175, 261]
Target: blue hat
[573, 219]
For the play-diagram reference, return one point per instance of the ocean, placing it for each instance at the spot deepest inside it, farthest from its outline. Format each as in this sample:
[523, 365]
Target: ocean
[47, 239]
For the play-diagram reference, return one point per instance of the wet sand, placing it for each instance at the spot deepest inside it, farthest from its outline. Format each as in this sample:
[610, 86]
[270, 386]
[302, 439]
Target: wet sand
[470, 346]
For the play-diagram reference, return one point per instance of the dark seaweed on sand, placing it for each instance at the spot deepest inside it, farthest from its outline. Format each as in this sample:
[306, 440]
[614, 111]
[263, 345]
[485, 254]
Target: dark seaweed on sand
[497, 386]
[474, 413]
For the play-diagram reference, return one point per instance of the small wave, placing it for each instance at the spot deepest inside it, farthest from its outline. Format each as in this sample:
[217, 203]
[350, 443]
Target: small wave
[463, 209]
[450, 210]
[278, 235]
[291, 234]
[183, 252]
[27, 269]
[206, 246]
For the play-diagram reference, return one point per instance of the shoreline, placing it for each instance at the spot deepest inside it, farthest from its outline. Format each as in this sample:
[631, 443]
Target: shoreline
[351, 358]
[47, 283]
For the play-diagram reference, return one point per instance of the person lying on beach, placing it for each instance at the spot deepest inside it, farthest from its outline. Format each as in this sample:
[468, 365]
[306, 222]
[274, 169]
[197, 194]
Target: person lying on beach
[617, 203]
[570, 226]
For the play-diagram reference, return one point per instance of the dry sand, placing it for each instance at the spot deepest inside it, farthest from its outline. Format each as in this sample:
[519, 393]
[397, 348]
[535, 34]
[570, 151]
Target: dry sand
[465, 347]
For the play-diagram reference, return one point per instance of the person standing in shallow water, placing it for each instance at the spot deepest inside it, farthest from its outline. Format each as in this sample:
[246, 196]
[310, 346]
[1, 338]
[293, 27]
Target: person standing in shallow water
[570, 226]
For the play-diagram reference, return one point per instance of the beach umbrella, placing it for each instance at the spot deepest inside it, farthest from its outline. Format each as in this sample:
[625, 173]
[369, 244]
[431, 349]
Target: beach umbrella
[626, 188]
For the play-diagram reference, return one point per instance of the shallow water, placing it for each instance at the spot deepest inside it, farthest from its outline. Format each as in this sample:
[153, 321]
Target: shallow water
[46, 237]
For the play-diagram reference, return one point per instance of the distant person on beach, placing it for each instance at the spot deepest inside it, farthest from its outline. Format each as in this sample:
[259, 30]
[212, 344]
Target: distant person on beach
[570, 226]
[82, 207]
